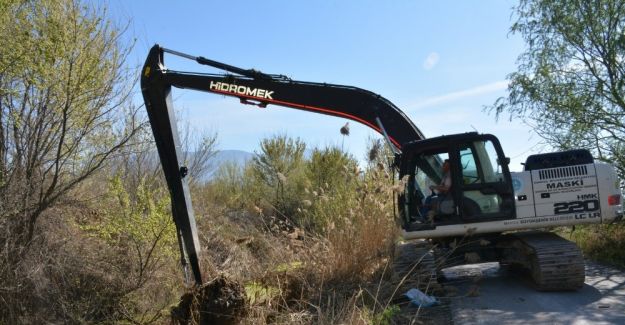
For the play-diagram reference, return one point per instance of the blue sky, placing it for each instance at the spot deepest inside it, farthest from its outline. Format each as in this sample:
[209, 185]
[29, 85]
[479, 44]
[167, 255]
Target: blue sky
[440, 62]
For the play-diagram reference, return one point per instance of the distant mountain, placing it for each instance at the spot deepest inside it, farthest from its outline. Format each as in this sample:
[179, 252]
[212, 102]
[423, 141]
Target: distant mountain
[238, 156]
[228, 156]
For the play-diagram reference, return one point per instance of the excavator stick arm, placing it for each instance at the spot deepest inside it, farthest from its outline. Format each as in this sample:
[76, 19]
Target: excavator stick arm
[158, 102]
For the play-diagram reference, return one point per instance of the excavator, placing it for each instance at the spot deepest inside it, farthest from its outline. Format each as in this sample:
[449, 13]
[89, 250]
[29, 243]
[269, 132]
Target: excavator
[508, 214]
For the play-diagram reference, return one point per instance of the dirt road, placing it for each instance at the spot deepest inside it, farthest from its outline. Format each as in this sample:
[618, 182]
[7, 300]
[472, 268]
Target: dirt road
[499, 296]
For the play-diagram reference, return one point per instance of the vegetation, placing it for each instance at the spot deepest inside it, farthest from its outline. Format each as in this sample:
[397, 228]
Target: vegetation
[61, 117]
[278, 171]
[85, 224]
[570, 81]
[604, 243]
[569, 86]
[64, 113]
[86, 234]
[321, 263]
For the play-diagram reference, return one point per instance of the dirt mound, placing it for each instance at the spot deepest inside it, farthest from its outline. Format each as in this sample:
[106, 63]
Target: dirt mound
[218, 302]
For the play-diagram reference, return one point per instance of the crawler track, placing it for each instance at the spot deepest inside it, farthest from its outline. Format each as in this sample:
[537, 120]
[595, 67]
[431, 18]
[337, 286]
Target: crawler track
[414, 266]
[555, 263]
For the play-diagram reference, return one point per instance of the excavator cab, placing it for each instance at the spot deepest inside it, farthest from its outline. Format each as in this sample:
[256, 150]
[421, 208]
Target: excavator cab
[481, 186]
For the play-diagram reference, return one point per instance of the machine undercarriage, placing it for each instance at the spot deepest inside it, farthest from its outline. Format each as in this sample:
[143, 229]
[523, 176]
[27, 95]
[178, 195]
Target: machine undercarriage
[552, 262]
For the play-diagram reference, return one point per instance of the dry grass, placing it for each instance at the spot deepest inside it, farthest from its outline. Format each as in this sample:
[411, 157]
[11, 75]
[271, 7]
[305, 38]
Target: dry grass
[604, 243]
[328, 263]
[293, 275]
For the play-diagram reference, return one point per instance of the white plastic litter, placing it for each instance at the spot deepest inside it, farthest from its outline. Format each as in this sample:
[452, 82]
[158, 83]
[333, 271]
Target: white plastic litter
[420, 299]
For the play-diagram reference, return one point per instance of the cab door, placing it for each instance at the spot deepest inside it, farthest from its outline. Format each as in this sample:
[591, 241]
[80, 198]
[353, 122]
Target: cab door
[485, 188]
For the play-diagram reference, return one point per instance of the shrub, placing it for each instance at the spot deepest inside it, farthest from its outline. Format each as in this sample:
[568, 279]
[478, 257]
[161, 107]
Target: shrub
[277, 173]
[227, 186]
[327, 168]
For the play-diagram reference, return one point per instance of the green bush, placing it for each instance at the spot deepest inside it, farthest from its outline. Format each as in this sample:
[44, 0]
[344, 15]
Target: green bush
[332, 176]
[327, 168]
[143, 219]
[277, 173]
[136, 227]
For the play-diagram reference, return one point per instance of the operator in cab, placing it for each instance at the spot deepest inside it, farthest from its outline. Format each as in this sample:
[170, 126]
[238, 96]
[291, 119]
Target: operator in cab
[439, 192]
[442, 188]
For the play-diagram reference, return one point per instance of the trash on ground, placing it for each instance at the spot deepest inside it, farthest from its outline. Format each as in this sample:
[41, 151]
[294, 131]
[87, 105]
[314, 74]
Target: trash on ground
[420, 299]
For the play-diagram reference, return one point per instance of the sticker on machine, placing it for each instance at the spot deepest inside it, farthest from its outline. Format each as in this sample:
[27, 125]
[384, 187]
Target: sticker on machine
[570, 179]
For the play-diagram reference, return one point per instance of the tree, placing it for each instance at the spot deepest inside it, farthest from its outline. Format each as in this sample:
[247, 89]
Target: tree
[64, 104]
[570, 81]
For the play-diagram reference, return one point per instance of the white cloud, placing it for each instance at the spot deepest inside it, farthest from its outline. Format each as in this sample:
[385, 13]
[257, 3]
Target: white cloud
[431, 61]
[453, 96]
